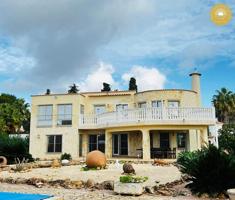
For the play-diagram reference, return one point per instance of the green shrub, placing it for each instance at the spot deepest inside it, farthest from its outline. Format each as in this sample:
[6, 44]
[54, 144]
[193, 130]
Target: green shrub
[212, 171]
[66, 156]
[133, 179]
[14, 147]
[186, 160]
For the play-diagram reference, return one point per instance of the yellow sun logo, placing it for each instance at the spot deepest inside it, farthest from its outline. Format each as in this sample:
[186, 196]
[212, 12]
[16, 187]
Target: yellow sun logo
[221, 14]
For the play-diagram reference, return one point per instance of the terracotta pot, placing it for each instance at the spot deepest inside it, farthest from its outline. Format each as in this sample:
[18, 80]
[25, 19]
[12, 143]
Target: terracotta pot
[95, 159]
[3, 161]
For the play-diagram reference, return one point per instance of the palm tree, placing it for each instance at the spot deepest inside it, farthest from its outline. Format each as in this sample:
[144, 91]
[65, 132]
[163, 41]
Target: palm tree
[224, 102]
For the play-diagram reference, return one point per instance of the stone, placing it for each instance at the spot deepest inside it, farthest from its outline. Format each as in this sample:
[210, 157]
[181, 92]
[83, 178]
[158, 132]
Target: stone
[65, 162]
[3, 161]
[128, 188]
[149, 190]
[160, 162]
[108, 185]
[77, 184]
[128, 168]
[55, 163]
[90, 183]
[164, 192]
[95, 159]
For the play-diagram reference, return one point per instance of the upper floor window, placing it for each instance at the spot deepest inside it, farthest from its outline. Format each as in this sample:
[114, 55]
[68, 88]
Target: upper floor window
[44, 115]
[82, 109]
[120, 107]
[157, 104]
[142, 105]
[54, 144]
[173, 104]
[64, 114]
[99, 109]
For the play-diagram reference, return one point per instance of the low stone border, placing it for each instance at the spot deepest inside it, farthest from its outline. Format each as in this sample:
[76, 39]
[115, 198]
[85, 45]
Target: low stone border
[66, 183]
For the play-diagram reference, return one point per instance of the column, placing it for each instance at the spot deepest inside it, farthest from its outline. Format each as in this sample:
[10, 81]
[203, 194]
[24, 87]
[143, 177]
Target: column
[146, 144]
[193, 140]
[85, 144]
[204, 136]
[108, 144]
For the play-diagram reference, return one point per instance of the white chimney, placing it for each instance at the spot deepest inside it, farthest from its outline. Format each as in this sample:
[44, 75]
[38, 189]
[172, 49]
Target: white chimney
[196, 85]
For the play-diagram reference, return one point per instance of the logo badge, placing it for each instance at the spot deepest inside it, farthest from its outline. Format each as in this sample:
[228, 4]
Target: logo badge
[221, 14]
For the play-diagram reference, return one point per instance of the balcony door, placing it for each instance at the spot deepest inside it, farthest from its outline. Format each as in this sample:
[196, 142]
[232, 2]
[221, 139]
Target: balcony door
[121, 107]
[99, 109]
[120, 144]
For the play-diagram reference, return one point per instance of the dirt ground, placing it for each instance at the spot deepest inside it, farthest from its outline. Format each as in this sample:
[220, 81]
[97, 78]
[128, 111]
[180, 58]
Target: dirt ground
[154, 173]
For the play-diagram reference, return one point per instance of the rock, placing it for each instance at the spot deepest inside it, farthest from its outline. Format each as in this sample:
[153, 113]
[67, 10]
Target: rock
[3, 161]
[95, 159]
[108, 185]
[90, 183]
[77, 184]
[128, 168]
[149, 190]
[160, 162]
[65, 162]
[55, 163]
[128, 188]
[39, 185]
[164, 192]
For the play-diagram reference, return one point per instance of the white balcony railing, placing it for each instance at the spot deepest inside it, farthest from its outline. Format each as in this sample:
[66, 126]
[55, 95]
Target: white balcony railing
[149, 116]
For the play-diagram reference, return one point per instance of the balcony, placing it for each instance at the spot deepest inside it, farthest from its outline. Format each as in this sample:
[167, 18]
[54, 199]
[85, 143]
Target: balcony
[149, 116]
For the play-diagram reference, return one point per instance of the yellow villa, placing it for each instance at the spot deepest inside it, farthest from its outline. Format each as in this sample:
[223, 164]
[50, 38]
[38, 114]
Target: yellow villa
[122, 124]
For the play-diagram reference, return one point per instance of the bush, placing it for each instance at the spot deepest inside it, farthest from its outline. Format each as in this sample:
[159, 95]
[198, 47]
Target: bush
[65, 156]
[133, 179]
[14, 147]
[186, 161]
[212, 171]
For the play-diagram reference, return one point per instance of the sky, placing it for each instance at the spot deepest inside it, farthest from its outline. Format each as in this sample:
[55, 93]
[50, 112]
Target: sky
[53, 44]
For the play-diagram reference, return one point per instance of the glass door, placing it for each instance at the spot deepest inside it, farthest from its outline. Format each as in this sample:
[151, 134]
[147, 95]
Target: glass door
[120, 144]
[99, 109]
[164, 141]
[101, 142]
[97, 142]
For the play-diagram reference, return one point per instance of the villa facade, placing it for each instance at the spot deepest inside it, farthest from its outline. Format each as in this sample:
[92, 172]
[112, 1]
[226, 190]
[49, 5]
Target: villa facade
[130, 124]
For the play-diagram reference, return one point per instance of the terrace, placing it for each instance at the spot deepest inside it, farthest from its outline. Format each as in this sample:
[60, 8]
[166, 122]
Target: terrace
[149, 116]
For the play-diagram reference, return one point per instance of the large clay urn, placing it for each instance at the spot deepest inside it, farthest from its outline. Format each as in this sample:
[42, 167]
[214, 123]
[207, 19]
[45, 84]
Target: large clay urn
[95, 159]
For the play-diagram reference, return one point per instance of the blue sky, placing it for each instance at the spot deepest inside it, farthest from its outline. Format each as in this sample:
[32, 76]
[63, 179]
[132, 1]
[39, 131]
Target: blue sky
[52, 44]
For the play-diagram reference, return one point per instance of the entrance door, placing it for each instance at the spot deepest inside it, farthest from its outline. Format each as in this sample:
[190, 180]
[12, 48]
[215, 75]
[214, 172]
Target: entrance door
[97, 142]
[120, 144]
[164, 141]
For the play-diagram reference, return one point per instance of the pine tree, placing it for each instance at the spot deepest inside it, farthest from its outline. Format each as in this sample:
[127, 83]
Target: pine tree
[132, 84]
[106, 87]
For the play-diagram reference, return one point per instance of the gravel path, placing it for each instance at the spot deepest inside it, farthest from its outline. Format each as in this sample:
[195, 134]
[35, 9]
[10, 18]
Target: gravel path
[84, 194]
[154, 173]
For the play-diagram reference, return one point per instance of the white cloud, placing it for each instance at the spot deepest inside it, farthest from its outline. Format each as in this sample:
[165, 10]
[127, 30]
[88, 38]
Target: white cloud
[102, 72]
[13, 59]
[146, 78]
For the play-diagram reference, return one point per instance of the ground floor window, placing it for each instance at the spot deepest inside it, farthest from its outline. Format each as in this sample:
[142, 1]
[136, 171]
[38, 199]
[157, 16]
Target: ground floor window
[54, 144]
[97, 142]
[181, 140]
